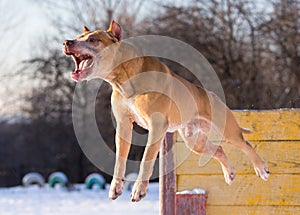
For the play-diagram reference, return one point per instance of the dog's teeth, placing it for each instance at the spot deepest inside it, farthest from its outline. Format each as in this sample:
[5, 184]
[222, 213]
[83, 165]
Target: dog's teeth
[81, 64]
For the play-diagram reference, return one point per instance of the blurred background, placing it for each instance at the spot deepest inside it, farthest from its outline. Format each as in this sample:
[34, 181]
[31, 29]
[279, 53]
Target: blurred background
[252, 45]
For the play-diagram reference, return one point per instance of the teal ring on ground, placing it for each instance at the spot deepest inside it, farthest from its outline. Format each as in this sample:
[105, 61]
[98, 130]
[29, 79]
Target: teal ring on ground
[58, 178]
[95, 179]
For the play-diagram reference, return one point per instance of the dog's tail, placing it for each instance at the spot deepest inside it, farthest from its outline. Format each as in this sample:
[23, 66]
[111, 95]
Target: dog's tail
[246, 131]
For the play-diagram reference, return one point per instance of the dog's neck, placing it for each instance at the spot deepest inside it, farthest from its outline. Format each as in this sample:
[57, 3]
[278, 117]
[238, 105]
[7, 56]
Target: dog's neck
[119, 79]
[125, 63]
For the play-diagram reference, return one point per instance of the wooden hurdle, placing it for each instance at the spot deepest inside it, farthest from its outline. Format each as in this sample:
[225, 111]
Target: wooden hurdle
[167, 179]
[276, 138]
[170, 202]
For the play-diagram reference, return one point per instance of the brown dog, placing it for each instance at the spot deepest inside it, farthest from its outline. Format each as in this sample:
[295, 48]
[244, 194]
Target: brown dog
[147, 92]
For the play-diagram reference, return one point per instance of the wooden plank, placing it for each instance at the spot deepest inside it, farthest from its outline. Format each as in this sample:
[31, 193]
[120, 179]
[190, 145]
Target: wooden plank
[252, 210]
[167, 196]
[190, 204]
[271, 124]
[279, 190]
[282, 157]
[268, 124]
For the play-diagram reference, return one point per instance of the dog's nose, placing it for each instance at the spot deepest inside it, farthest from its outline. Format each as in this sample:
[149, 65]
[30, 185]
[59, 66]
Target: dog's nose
[68, 42]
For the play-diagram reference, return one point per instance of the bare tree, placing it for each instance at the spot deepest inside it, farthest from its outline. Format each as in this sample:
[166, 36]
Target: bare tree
[71, 15]
[282, 31]
[230, 35]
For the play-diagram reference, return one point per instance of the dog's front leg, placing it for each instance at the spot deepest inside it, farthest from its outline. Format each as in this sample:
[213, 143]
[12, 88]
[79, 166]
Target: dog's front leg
[157, 129]
[123, 140]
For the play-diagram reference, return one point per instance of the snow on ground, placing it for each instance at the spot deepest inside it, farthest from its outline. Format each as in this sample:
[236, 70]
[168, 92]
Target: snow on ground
[48, 201]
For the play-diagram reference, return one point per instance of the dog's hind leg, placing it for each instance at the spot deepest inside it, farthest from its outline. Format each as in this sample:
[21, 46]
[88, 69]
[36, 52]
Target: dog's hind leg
[200, 144]
[260, 167]
[233, 134]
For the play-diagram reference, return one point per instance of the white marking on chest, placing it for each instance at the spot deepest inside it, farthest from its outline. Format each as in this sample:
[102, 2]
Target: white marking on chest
[134, 111]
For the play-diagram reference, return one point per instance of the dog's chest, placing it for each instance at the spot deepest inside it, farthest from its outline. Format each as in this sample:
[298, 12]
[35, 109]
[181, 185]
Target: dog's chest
[135, 113]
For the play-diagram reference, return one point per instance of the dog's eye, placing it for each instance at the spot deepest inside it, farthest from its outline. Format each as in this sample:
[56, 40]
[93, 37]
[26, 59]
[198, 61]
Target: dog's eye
[92, 40]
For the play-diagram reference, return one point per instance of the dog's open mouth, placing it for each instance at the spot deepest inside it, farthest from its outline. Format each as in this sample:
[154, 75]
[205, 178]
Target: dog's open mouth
[83, 63]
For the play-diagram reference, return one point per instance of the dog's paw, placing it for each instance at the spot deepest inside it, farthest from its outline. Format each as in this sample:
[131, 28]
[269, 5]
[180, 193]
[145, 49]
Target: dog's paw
[262, 171]
[139, 190]
[115, 188]
[229, 175]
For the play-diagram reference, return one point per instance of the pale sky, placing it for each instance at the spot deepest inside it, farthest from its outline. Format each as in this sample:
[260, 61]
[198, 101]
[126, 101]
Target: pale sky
[31, 23]
[27, 24]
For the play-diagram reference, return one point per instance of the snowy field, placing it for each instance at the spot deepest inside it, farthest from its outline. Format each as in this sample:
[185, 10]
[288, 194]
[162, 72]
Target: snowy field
[45, 201]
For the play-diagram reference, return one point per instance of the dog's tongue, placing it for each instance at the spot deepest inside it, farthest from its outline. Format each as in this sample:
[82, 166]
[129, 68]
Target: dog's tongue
[76, 74]
[82, 65]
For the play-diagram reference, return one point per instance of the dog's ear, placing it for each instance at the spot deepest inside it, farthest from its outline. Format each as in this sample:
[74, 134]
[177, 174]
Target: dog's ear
[85, 29]
[116, 30]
